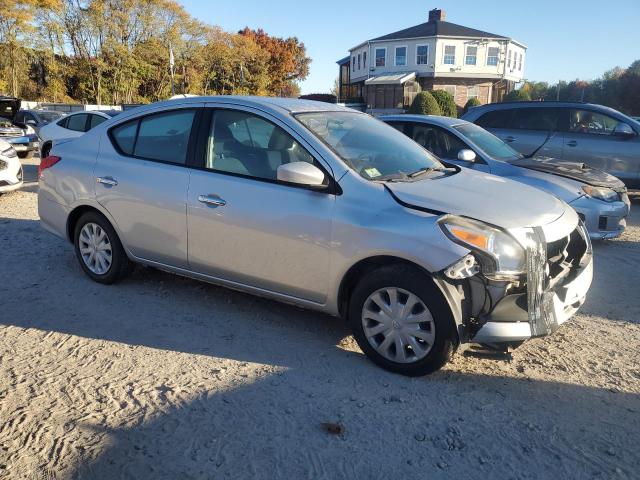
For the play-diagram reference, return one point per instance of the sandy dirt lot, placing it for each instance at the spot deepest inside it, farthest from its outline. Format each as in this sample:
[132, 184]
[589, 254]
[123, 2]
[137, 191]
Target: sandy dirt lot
[164, 377]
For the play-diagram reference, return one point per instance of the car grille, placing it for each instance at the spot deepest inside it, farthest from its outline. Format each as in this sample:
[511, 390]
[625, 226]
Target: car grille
[565, 255]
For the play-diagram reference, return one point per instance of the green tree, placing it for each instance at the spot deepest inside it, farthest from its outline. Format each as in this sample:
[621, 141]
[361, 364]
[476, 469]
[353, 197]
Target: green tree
[425, 104]
[472, 102]
[517, 96]
[446, 103]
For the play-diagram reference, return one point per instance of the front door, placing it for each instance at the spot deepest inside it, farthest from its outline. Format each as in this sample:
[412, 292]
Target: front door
[590, 140]
[244, 225]
[142, 179]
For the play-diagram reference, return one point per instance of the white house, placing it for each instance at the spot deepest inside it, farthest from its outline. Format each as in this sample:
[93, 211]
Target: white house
[386, 72]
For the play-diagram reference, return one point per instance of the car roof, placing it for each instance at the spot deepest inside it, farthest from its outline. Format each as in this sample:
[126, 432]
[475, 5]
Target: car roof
[431, 119]
[272, 104]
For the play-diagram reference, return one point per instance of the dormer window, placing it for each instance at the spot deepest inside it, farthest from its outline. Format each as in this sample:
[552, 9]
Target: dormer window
[401, 56]
[471, 56]
[381, 56]
[492, 56]
[449, 55]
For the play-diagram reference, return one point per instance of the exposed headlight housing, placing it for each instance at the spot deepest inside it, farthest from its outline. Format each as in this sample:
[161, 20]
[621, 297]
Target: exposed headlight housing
[501, 256]
[601, 193]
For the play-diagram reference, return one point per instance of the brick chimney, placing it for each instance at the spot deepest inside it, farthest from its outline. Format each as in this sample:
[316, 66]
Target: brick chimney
[436, 15]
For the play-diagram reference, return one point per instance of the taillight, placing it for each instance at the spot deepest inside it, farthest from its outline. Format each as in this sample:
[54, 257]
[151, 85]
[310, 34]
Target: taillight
[47, 162]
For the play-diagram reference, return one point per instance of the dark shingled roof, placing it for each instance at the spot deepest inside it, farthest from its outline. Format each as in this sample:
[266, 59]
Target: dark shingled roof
[437, 27]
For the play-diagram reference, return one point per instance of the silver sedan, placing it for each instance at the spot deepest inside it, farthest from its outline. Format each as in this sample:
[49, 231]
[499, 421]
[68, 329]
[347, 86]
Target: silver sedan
[326, 208]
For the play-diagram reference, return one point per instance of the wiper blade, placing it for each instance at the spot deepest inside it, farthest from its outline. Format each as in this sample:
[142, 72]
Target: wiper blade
[422, 171]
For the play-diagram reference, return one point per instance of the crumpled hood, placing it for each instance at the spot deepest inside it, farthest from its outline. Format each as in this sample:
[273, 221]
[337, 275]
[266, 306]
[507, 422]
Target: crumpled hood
[573, 170]
[485, 197]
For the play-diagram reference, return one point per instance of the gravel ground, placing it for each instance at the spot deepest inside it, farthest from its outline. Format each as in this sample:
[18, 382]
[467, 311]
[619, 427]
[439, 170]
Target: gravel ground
[165, 377]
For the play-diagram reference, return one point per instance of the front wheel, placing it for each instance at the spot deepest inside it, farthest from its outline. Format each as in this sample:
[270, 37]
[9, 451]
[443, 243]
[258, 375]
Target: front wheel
[401, 321]
[99, 250]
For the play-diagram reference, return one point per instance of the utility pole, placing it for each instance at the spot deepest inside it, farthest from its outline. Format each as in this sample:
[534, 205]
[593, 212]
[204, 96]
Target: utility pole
[171, 65]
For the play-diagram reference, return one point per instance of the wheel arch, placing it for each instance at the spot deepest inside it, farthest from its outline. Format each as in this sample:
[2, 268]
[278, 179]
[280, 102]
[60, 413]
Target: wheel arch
[452, 294]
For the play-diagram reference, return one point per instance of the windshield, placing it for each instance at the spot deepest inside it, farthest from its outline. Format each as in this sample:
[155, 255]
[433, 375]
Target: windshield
[48, 117]
[370, 147]
[488, 142]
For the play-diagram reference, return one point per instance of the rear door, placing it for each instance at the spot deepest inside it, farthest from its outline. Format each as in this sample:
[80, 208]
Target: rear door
[244, 225]
[589, 139]
[142, 179]
[527, 129]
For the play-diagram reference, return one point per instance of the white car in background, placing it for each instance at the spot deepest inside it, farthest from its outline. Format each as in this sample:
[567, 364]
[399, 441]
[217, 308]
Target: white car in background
[71, 126]
[10, 168]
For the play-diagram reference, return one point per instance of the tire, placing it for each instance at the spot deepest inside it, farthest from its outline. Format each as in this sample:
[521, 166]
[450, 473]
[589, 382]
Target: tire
[429, 355]
[119, 265]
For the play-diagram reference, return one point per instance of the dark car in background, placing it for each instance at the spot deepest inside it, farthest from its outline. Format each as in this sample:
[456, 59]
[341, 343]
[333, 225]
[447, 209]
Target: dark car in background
[37, 119]
[22, 137]
[598, 136]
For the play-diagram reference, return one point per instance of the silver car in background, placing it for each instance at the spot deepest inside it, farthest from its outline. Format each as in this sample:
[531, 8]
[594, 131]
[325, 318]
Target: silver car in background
[600, 199]
[598, 136]
[325, 208]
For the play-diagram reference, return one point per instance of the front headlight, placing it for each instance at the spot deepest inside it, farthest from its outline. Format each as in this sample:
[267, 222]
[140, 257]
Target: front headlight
[500, 254]
[9, 153]
[601, 193]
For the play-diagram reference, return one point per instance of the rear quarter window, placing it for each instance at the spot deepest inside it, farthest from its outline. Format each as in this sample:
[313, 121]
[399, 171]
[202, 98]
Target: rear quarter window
[124, 136]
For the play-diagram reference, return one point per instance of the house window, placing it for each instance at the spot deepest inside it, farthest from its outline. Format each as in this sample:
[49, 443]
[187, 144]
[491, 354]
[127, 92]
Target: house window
[353, 63]
[449, 55]
[520, 63]
[401, 56]
[422, 54]
[509, 59]
[472, 92]
[451, 89]
[472, 55]
[492, 57]
[364, 60]
[381, 55]
[358, 61]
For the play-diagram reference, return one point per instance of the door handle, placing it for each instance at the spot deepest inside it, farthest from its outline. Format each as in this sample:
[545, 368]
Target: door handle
[108, 181]
[572, 143]
[509, 139]
[212, 200]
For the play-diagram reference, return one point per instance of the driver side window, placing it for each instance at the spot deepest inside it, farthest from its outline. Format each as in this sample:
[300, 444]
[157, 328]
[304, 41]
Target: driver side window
[586, 121]
[437, 141]
[246, 144]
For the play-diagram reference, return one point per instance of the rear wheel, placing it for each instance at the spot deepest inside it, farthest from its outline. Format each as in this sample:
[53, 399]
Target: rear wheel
[99, 250]
[46, 148]
[401, 321]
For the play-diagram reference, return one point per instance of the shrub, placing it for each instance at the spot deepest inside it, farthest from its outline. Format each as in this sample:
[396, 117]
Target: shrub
[320, 97]
[472, 102]
[517, 96]
[425, 104]
[446, 102]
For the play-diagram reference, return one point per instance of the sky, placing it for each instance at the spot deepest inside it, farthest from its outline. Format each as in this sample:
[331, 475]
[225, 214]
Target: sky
[566, 39]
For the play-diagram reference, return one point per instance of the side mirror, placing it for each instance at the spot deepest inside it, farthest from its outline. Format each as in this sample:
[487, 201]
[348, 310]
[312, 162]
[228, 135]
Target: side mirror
[623, 130]
[467, 155]
[301, 173]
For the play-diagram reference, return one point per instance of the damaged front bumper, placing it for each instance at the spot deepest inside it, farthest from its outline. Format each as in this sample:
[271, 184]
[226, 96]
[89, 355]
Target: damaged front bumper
[559, 275]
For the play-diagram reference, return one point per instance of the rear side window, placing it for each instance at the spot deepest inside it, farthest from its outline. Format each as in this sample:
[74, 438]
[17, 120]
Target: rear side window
[96, 120]
[535, 119]
[124, 136]
[163, 137]
[77, 123]
[496, 119]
